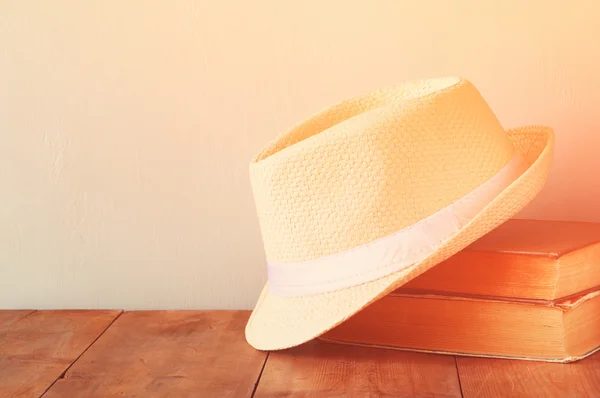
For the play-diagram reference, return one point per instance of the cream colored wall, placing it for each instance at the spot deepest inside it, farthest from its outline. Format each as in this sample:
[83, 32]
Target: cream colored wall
[126, 127]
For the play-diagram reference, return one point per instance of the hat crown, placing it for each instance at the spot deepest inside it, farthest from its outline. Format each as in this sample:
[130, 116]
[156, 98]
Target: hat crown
[370, 166]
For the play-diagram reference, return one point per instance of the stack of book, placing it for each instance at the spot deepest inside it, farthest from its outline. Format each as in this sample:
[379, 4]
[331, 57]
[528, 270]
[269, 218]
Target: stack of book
[529, 290]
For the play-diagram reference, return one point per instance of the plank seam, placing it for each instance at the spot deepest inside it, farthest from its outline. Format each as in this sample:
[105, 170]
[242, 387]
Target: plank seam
[62, 375]
[23, 317]
[462, 394]
[259, 376]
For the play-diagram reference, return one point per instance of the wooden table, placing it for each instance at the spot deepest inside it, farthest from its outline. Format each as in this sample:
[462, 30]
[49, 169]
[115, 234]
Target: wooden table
[204, 354]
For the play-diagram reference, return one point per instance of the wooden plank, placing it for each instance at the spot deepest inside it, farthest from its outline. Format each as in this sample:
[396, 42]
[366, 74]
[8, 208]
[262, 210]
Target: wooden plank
[491, 378]
[319, 369]
[8, 317]
[167, 354]
[38, 348]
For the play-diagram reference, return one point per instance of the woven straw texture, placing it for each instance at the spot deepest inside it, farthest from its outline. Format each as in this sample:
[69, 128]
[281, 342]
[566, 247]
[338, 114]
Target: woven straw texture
[368, 167]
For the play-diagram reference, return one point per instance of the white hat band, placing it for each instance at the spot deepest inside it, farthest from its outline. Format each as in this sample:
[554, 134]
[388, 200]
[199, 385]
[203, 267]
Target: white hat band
[391, 253]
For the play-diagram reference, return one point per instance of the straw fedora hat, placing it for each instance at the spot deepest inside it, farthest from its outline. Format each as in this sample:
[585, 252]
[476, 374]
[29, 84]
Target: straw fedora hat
[366, 195]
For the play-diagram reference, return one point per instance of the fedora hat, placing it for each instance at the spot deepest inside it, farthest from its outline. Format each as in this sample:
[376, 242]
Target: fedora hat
[366, 195]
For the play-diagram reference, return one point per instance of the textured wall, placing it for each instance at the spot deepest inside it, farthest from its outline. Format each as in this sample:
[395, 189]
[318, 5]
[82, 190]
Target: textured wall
[126, 127]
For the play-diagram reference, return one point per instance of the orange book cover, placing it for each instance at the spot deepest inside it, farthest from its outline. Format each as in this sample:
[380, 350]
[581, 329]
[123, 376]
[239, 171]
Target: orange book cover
[528, 290]
[555, 331]
[522, 259]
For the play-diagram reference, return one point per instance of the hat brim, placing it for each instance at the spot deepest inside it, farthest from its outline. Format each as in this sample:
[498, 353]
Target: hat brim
[280, 322]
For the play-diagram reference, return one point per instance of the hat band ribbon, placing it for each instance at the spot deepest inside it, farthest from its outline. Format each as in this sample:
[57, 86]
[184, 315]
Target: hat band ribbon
[391, 253]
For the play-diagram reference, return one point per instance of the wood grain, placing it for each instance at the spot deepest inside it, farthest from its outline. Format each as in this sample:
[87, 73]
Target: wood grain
[204, 353]
[167, 354]
[492, 378]
[36, 349]
[319, 369]
[8, 317]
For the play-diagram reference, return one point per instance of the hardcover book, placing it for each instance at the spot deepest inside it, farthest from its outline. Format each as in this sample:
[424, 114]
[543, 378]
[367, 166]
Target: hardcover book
[528, 290]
